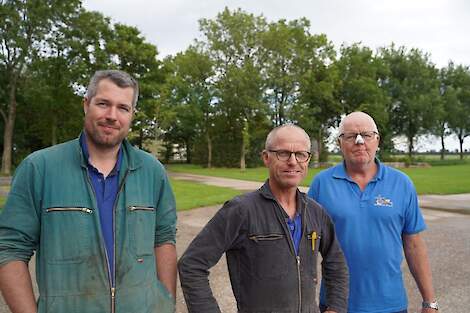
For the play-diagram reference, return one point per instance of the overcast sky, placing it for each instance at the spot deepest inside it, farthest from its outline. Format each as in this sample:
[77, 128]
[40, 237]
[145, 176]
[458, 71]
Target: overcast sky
[438, 27]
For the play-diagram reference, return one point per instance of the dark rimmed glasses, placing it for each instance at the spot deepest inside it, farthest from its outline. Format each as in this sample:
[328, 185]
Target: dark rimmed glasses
[368, 136]
[284, 155]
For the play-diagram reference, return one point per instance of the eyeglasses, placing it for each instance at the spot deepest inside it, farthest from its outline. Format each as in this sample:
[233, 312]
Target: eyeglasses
[368, 136]
[284, 155]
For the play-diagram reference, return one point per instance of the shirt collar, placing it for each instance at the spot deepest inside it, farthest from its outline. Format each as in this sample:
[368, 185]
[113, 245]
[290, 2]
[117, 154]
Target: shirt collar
[340, 171]
[86, 154]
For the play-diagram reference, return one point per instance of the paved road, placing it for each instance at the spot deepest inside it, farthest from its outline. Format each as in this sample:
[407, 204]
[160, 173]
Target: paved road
[447, 237]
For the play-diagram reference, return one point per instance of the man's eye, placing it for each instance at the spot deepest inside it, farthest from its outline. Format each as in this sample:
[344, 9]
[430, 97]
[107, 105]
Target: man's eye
[349, 137]
[126, 109]
[284, 153]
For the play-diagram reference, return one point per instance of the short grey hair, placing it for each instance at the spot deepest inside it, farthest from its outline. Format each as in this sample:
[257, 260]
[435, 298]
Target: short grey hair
[120, 78]
[354, 114]
[272, 135]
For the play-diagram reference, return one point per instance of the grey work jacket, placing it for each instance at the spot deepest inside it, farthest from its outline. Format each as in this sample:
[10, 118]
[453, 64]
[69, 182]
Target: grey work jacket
[265, 273]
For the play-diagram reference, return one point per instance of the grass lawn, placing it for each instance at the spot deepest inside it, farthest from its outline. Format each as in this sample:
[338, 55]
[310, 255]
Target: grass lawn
[450, 179]
[191, 195]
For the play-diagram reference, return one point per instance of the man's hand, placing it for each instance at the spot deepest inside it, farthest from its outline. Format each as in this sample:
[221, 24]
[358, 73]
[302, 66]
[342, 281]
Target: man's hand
[428, 310]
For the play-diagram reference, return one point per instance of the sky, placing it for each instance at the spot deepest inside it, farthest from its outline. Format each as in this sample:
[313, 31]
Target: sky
[438, 27]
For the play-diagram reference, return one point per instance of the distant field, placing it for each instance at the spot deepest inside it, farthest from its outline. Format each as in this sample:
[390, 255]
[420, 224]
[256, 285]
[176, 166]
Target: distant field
[450, 179]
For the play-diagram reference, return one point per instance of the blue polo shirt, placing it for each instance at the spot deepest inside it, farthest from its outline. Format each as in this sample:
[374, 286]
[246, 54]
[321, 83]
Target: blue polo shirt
[369, 225]
[106, 189]
[295, 228]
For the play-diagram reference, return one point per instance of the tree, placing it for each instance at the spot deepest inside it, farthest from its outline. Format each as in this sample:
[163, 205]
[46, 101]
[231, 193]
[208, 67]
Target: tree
[188, 99]
[456, 97]
[413, 88]
[361, 75]
[318, 108]
[23, 31]
[283, 52]
[232, 42]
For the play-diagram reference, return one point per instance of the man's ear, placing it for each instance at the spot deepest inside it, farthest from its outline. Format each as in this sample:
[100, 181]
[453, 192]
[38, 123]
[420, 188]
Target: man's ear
[86, 104]
[264, 156]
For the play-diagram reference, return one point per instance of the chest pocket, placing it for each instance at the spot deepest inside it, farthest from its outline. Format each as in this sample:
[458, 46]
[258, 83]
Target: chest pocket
[313, 238]
[141, 224]
[67, 234]
[269, 255]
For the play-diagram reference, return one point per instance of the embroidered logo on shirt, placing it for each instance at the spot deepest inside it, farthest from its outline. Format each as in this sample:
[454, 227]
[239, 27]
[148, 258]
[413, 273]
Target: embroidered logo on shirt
[382, 201]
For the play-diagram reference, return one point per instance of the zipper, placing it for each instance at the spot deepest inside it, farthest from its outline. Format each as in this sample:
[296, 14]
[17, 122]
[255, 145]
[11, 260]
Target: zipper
[297, 257]
[269, 237]
[113, 299]
[103, 246]
[140, 208]
[113, 288]
[84, 210]
[300, 283]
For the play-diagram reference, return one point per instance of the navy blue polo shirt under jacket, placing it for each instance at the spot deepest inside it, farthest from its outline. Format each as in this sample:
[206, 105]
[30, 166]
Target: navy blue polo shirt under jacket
[295, 227]
[106, 189]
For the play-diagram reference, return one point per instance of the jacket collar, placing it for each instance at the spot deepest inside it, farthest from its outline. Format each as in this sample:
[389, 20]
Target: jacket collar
[266, 192]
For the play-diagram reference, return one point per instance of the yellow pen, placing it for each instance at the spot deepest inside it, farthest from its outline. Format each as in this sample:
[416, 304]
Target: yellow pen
[314, 237]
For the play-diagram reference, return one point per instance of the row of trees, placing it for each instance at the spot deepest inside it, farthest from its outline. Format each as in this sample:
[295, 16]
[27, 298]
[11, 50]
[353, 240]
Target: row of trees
[219, 97]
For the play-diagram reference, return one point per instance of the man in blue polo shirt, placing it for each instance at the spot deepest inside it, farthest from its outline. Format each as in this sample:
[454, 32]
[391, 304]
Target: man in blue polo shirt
[376, 215]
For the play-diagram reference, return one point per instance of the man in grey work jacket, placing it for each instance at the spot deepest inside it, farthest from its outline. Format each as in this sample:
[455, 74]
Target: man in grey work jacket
[99, 213]
[271, 237]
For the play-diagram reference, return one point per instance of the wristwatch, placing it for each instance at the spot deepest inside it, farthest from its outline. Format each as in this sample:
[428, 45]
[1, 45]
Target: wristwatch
[431, 305]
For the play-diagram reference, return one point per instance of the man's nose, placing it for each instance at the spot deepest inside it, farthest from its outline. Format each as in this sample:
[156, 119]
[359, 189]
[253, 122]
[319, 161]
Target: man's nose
[292, 159]
[359, 140]
[111, 113]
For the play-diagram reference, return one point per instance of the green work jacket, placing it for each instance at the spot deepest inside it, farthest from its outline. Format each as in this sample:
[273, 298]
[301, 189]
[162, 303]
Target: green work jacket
[51, 210]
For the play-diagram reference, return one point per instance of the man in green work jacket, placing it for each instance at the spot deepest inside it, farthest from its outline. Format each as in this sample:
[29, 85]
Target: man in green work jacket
[99, 213]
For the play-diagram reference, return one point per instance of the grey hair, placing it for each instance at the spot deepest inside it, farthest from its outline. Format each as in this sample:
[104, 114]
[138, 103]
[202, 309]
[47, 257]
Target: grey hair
[341, 124]
[272, 135]
[120, 78]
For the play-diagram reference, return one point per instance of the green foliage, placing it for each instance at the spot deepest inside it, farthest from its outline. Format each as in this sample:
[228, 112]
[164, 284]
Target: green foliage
[413, 87]
[456, 97]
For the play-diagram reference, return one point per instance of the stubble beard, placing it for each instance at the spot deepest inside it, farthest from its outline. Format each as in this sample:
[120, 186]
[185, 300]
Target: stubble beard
[100, 140]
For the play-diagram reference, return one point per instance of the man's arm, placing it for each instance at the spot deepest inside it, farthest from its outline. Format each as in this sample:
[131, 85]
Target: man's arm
[166, 266]
[16, 286]
[204, 252]
[418, 262]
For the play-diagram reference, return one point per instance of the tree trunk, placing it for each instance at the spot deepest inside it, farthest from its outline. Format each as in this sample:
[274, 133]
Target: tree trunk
[461, 139]
[209, 150]
[242, 155]
[188, 153]
[8, 131]
[410, 147]
[443, 149]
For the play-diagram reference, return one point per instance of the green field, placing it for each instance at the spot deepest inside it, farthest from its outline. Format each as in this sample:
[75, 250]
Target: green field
[450, 179]
[193, 195]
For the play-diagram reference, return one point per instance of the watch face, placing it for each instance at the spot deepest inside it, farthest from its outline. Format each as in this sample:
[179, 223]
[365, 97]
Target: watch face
[430, 305]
